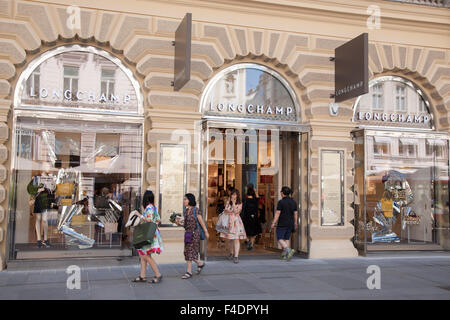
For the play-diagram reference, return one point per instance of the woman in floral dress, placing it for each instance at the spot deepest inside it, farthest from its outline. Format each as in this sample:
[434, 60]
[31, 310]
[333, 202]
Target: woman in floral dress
[191, 249]
[150, 215]
[236, 230]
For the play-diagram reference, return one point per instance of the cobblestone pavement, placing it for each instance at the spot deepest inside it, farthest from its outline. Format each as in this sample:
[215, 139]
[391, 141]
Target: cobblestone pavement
[421, 276]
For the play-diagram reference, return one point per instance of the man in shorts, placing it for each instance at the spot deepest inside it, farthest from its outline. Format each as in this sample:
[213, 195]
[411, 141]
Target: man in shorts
[285, 220]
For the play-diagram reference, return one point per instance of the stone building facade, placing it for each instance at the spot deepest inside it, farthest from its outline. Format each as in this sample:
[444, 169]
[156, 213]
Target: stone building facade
[296, 39]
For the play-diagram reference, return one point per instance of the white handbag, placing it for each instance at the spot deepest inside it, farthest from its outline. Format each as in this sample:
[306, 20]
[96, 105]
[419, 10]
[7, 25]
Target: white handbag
[222, 223]
[133, 219]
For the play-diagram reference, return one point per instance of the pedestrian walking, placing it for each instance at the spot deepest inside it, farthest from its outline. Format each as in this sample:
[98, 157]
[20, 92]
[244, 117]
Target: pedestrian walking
[285, 221]
[250, 217]
[236, 230]
[193, 221]
[150, 215]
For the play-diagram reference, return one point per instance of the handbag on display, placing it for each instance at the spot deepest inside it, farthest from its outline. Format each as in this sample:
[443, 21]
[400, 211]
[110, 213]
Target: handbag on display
[144, 234]
[133, 219]
[222, 223]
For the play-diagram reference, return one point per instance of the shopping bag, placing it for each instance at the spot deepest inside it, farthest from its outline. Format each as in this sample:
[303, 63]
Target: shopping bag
[144, 234]
[110, 227]
[222, 223]
[64, 189]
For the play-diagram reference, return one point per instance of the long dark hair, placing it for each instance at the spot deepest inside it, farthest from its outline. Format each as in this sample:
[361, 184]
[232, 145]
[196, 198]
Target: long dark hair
[238, 198]
[251, 192]
[148, 198]
[191, 199]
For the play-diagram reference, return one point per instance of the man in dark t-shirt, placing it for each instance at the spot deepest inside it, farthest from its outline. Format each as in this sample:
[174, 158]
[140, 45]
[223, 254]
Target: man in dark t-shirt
[285, 220]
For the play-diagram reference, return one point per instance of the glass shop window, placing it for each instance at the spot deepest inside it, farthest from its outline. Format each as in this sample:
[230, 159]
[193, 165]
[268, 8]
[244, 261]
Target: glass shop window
[80, 166]
[108, 83]
[71, 74]
[400, 98]
[33, 82]
[407, 148]
[381, 148]
[377, 97]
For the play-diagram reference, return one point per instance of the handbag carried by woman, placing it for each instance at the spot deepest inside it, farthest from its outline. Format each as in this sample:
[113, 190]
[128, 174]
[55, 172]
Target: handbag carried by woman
[144, 234]
[222, 223]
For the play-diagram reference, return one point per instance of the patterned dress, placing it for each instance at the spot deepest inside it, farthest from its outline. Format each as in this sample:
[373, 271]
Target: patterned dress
[191, 249]
[235, 225]
[157, 246]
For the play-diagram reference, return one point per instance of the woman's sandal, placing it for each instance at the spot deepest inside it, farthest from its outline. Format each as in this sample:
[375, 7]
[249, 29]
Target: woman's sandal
[140, 279]
[187, 275]
[199, 268]
[236, 260]
[156, 279]
[230, 256]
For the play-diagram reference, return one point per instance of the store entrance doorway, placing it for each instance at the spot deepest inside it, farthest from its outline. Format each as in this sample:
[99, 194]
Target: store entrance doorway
[242, 158]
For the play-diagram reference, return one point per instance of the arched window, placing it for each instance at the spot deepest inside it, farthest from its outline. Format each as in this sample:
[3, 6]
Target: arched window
[81, 79]
[250, 91]
[77, 144]
[393, 102]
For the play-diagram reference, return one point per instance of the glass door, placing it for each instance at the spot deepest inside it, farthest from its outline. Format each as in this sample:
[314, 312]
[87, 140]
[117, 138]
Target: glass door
[243, 158]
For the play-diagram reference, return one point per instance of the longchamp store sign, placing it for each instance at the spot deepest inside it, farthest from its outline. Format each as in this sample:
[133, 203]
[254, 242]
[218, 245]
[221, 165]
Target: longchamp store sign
[392, 117]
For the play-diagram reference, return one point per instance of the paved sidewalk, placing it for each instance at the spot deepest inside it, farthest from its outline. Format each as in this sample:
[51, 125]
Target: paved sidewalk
[421, 276]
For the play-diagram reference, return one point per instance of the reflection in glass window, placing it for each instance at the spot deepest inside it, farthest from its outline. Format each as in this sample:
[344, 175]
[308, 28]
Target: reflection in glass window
[78, 162]
[400, 98]
[108, 82]
[381, 146]
[33, 83]
[393, 102]
[407, 148]
[250, 91]
[422, 105]
[377, 97]
[71, 82]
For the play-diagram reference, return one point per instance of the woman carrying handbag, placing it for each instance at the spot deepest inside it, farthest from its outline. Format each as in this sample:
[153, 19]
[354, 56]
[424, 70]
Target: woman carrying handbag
[193, 221]
[150, 215]
[236, 230]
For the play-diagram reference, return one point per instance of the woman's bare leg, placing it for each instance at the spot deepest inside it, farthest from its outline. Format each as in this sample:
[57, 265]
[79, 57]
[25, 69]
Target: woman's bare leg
[153, 265]
[237, 245]
[143, 266]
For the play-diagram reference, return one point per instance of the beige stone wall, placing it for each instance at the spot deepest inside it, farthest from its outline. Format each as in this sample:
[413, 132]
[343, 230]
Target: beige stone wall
[295, 37]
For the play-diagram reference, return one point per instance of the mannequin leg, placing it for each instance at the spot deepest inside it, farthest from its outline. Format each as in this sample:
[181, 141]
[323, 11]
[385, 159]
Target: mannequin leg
[45, 221]
[38, 225]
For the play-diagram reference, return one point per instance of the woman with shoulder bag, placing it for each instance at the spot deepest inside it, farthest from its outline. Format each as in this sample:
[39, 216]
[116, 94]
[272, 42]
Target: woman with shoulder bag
[150, 215]
[192, 234]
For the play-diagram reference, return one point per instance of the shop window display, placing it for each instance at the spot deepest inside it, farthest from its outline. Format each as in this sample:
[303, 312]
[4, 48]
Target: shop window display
[81, 183]
[78, 145]
[401, 199]
[401, 195]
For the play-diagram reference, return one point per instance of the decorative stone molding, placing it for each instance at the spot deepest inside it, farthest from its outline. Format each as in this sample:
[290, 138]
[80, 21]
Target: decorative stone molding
[2, 193]
[3, 173]
[4, 132]
[2, 214]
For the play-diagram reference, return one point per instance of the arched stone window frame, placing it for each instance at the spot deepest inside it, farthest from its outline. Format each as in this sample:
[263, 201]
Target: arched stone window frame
[21, 82]
[245, 65]
[405, 82]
